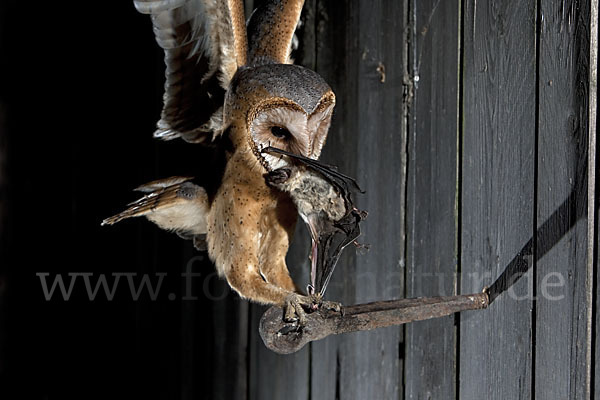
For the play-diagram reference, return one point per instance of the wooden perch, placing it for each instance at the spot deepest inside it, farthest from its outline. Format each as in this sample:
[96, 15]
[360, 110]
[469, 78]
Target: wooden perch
[286, 338]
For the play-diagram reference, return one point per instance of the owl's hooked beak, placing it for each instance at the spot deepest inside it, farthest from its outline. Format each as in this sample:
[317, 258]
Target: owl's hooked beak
[275, 162]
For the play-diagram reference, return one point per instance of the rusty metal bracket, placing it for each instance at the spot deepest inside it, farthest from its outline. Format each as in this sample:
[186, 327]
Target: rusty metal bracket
[286, 338]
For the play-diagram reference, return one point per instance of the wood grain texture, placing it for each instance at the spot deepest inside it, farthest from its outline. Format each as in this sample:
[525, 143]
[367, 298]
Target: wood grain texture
[499, 72]
[366, 140]
[287, 338]
[432, 196]
[560, 338]
[377, 123]
[592, 209]
[335, 27]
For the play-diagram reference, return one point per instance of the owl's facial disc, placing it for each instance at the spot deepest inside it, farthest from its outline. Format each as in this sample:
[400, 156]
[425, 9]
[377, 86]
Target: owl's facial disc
[289, 129]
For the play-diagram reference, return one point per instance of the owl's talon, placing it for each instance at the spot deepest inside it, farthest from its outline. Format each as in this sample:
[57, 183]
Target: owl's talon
[295, 304]
[318, 302]
[293, 310]
[333, 306]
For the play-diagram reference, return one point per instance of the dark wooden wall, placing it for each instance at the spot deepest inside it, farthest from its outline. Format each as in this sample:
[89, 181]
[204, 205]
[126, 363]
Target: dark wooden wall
[483, 182]
[346, 42]
[465, 121]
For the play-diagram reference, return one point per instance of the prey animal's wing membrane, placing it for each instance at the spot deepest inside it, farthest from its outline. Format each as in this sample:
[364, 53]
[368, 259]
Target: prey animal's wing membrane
[331, 245]
[204, 43]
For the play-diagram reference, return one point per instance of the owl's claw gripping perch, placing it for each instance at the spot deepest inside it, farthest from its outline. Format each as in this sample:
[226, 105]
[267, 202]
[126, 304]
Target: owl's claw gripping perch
[293, 310]
[333, 306]
[318, 302]
[296, 303]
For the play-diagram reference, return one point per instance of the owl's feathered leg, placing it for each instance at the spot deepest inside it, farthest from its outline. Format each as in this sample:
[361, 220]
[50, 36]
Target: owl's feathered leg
[279, 275]
[261, 275]
[275, 271]
[273, 248]
[249, 284]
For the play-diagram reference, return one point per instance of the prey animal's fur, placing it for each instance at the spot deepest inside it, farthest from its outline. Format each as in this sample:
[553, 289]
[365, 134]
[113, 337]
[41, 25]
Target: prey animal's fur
[324, 200]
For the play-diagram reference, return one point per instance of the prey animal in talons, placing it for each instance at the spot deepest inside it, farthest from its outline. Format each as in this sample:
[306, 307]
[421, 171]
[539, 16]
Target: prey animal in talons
[323, 197]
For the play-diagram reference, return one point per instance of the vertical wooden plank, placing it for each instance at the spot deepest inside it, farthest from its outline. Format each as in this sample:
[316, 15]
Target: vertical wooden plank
[381, 169]
[594, 377]
[593, 121]
[335, 55]
[271, 375]
[364, 64]
[562, 148]
[591, 196]
[497, 209]
[432, 197]
[593, 246]
[368, 140]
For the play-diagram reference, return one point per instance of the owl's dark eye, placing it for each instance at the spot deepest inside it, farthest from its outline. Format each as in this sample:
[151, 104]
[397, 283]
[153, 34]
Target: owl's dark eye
[280, 132]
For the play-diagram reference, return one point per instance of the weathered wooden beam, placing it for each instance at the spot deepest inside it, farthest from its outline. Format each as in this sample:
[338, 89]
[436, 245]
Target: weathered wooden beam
[433, 199]
[286, 338]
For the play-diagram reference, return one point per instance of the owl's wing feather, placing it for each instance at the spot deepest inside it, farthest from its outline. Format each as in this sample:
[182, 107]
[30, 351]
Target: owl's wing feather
[174, 204]
[204, 43]
[271, 31]
[162, 183]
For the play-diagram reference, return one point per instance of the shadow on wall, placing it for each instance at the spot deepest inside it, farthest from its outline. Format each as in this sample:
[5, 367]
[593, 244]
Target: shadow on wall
[562, 220]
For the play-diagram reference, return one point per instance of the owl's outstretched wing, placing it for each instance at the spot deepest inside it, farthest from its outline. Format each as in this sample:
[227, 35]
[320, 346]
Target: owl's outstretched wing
[204, 43]
[271, 29]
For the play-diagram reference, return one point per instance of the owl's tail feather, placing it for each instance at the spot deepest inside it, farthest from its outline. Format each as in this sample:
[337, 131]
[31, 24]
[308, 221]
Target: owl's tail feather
[150, 203]
[174, 204]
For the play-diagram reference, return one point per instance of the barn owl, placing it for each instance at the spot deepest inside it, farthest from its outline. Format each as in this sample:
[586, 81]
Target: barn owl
[233, 86]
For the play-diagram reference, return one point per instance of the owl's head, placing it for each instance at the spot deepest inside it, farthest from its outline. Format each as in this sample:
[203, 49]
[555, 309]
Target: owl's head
[284, 106]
